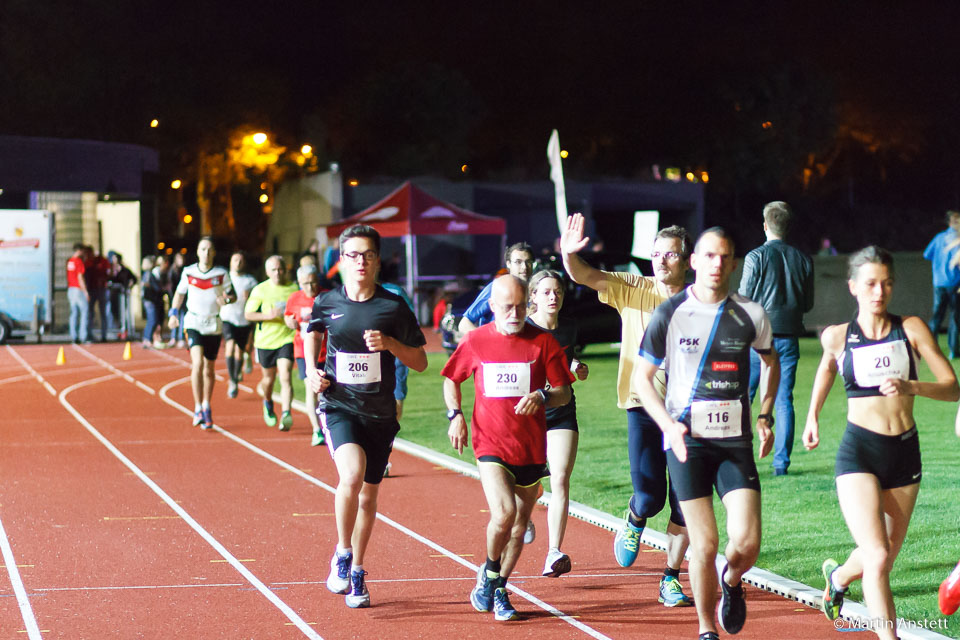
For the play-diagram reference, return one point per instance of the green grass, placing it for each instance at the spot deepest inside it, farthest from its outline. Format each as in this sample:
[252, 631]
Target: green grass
[802, 523]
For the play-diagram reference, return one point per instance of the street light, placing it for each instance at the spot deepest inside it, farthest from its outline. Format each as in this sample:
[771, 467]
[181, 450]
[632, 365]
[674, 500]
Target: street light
[306, 150]
[259, 138]
[154, 123]
[175, 184]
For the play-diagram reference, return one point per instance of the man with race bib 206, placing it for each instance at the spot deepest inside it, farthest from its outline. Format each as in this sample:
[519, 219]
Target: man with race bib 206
[702, 337]
[206, 288]
[367, 327]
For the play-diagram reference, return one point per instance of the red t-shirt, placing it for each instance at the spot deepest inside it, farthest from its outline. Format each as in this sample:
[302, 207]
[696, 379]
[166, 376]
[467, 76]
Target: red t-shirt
[75, 267]
[504, 369]
[300, 306]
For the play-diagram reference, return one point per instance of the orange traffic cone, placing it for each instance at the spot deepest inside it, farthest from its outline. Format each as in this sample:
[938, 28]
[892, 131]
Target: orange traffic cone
[61, 358]
[127, 353]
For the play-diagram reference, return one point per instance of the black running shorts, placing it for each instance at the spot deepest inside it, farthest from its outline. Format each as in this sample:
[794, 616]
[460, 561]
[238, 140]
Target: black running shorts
[894, 460]
[375, 437]
[268, 357]
[710, 465]
[524, 475]
[209, 342]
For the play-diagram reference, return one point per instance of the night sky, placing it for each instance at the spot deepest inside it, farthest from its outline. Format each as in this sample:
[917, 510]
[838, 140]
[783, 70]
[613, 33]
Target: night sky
[864, 95]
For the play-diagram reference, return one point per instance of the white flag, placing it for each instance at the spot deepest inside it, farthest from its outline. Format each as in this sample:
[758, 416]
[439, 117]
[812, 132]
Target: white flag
[556, 175]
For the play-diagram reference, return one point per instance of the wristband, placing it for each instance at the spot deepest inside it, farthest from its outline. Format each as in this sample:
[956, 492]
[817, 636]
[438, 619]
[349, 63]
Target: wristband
[173, 312]
[543, 396]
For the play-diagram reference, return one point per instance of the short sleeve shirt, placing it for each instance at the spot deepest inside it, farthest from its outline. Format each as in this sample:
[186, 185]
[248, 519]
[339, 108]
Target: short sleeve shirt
[300, 306]
[75, 267]
[275, 333]
[505, 368]
[202, 289]
[363, 381]
[480, 313]
[634, 297]
[243, 283]
[705, 349]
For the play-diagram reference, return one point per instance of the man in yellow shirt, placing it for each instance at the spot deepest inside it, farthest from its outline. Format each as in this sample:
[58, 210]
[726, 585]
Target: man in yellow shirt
[635, 297]
[274, 339]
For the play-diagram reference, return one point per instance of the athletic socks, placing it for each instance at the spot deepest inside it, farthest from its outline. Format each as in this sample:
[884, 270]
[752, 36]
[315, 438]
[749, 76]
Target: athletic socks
[197, 408]
[492, 567]
[357, 568]
[232, 368]
[833, 581]
[205, 405]
[639, 523]
[672, 573]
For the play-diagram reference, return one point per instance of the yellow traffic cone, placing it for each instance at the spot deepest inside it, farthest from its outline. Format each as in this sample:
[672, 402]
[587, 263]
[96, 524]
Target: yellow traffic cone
[127, 353]
[61, 358]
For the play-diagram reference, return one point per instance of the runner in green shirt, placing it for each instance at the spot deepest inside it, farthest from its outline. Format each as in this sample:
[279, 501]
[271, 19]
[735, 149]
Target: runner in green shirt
[273, 340]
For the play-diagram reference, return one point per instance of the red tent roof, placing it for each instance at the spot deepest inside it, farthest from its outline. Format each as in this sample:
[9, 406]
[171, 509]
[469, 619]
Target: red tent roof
[412, 211]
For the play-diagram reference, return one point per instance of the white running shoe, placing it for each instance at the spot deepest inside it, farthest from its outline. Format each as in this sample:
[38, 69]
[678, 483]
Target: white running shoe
[557, 564]
[339, 579]
[530, 534]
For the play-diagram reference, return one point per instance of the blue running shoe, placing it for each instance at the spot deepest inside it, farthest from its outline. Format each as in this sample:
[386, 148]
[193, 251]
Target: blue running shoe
[626, 545]
[197, 417]
[207, 415]
[339, 579]
[671, 593]
[502, 609]
[358, 597]
[481, 597]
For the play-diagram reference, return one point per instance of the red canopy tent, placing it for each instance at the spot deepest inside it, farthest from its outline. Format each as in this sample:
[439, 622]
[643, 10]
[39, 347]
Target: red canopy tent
[409, 212]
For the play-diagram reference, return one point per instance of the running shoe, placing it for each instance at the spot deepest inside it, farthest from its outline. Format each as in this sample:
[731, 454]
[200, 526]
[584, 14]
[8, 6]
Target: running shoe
[339, 579]
[502, 609]
[232, 389]
[481, 597]
[671, 593]
[269, 417]
[557, 564]
[708, 635]
[732, 608]
[286, 421]
[386, 470]
[358, 597]
[626, 545]
[530, 534]
[207, 418]
[832, 597]
[197, 417]
[949, 597]
[316, 439]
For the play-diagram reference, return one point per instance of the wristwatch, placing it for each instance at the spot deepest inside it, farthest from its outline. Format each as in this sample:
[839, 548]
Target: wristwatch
[453, 413]
[766, 416]
[543, 396]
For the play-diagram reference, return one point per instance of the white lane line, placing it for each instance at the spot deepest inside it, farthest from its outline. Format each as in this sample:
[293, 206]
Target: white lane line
[145, 586]
[25, 376]
[393, 523]
[213, 542]
[123, 374]
[29, 620]
[33, 372]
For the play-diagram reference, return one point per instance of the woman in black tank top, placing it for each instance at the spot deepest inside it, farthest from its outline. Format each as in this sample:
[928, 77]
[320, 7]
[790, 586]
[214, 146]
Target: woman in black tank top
[546, 298]
[878, 462]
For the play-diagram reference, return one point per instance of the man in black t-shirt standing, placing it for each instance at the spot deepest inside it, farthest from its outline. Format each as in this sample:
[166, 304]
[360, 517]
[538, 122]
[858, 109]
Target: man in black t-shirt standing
[367, 327]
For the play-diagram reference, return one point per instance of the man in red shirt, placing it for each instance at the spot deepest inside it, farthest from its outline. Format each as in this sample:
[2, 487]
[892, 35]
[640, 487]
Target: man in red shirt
[78, 296]
[297, 317]
[517, 370]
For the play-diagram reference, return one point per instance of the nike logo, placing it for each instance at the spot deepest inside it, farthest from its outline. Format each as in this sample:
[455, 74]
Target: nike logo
[334, 316]
[916, 475]
[751, 478]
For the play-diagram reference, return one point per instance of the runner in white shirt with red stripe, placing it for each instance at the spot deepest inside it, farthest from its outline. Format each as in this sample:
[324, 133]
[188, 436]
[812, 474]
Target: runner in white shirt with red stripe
[207, 288]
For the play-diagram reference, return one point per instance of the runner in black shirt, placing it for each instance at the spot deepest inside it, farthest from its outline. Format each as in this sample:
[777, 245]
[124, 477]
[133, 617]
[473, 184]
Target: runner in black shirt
[362, 321]
[563, 433]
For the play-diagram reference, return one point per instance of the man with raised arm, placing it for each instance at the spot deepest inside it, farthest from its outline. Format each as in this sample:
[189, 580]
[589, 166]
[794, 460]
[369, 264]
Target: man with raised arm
[635, 297]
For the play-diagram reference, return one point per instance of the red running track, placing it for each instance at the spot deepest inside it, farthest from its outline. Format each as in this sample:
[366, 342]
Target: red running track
[124, 521]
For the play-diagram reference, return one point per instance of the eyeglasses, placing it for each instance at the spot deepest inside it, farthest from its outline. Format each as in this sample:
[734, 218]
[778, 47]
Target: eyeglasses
[520, 262]
[667, 255]
[354, 256]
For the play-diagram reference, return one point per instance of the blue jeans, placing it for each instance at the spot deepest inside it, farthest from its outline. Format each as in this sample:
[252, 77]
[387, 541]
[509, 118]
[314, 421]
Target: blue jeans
[150, 311]
[946, 299]
[788, 348]
[79, 315]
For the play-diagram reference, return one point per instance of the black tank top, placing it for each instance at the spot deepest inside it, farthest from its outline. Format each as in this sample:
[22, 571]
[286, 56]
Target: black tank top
[865, 363]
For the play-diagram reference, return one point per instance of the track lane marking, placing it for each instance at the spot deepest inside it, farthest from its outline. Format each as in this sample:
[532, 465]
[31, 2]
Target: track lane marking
[213, 542]
[23, 601]
[33, 372]
[389, 521]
